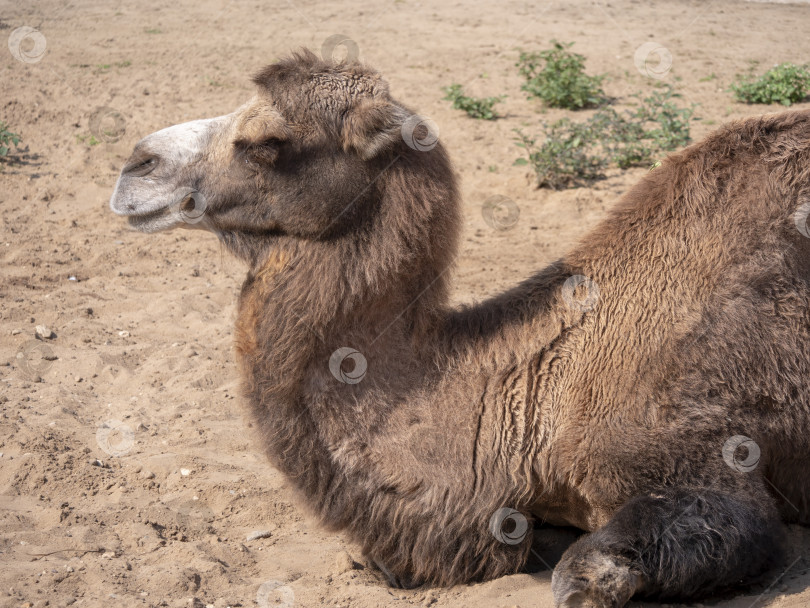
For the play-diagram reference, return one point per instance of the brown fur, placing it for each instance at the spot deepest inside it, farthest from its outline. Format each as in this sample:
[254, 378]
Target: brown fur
[701, 332]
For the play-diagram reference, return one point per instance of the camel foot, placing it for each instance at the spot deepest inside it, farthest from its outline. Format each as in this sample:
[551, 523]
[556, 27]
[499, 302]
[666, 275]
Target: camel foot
[594, 580]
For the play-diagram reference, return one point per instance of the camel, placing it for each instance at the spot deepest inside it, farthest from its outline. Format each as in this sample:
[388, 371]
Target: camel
[651, 387]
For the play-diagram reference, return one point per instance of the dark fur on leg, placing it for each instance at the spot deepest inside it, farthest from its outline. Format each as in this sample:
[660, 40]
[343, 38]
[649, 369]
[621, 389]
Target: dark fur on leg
[682, 544]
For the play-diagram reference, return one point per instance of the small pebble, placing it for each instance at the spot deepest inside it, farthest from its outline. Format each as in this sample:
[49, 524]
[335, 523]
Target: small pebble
[42, 332]
[259, 534]
[147, 474]
[96, 462]
[185, 472]
[123, 334]
[14, 332]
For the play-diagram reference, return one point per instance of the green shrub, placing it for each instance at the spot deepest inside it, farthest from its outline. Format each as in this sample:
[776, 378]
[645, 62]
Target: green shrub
[576, 153]
[786, 83]
[475, 107]
[566, 157]
[7, 139]
[557, 76]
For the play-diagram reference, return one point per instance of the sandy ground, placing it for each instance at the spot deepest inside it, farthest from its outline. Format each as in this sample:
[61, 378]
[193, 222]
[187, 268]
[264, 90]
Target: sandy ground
[128, 475]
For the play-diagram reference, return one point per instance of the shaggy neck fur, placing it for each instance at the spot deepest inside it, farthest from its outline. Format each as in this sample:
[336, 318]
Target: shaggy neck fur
[382, 455]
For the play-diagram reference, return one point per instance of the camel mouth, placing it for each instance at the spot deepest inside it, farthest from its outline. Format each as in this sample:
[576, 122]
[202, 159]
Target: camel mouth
[184, 206]
[152, 221]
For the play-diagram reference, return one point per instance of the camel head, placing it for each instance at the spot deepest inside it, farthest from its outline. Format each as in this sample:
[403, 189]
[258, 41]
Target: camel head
[300, 160]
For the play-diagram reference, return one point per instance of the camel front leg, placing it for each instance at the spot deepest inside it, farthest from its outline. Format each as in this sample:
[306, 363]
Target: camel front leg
[674, 544]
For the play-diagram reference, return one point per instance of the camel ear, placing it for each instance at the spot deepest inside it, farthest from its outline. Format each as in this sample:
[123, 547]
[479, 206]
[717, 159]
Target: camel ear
[372, 126]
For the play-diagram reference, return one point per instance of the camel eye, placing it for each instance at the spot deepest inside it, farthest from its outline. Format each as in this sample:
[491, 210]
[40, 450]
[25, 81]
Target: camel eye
[142, 168]
[263, 153]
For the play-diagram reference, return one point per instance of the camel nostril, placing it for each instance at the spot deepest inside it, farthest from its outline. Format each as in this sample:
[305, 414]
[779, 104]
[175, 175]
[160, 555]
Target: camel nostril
[141, 167]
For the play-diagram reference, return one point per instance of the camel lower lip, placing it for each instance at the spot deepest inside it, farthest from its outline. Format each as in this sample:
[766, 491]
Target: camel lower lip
[135, 217]
[153, 221]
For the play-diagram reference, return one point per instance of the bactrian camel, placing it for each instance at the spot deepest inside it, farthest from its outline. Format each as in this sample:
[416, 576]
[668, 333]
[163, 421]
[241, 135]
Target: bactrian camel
[652, 387]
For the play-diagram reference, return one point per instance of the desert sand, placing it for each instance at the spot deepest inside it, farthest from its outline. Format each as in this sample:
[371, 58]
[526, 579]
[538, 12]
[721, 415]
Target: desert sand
[128, 473]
